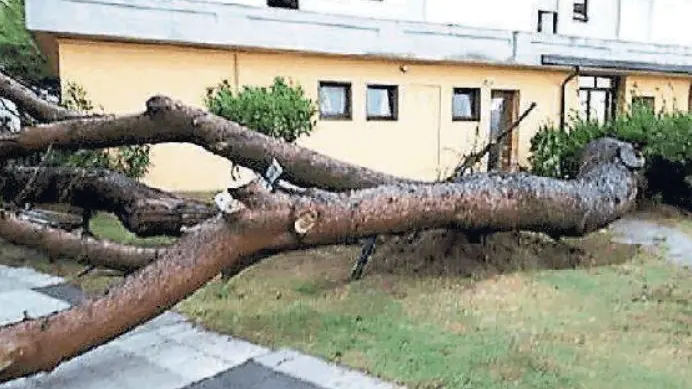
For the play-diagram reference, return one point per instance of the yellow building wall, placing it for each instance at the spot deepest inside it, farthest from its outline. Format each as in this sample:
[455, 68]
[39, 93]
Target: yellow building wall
[670, 93]
[121, 76]
[409, 146]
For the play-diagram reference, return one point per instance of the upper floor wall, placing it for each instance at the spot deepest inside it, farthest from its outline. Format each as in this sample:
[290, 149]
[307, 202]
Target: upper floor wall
[227, 24]
[648, 21]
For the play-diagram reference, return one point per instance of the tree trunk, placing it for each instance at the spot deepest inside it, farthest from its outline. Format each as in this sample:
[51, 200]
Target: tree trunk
[605, 189]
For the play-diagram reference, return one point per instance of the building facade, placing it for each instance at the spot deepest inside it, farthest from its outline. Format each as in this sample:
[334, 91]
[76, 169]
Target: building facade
[403, 86]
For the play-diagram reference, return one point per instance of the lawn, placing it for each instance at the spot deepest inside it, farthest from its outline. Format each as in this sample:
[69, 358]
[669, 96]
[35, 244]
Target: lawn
[550, 317]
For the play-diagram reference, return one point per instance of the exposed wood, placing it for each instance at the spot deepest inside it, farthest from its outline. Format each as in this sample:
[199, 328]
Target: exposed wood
[62, 244]
[143, 210]
[605, 190]
[166, 120]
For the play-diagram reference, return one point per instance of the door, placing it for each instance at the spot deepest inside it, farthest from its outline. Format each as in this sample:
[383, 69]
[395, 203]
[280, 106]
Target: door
[503, 112]
[418, 135]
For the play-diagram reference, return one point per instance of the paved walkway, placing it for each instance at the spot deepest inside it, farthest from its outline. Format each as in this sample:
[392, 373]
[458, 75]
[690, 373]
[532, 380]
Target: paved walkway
[167, 352]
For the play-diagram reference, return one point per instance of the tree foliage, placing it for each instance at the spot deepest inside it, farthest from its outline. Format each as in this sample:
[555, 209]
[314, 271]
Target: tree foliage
[19, 54]
[664, 137]
[281, 110]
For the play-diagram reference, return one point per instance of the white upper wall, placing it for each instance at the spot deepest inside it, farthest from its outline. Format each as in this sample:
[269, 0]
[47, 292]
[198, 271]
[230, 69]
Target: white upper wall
[648, 21]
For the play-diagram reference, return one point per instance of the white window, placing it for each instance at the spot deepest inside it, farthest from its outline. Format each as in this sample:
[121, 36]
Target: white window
[466, 104]
[382, 102]
[335, 100]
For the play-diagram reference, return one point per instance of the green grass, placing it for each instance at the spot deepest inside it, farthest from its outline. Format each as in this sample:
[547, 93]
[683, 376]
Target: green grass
[107, 226]
[625, 325]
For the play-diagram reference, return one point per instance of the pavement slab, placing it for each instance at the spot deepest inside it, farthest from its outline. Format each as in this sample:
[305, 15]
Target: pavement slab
[167, 352]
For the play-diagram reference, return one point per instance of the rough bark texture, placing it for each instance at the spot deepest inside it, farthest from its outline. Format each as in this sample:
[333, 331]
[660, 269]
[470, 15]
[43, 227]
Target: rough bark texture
[143, 210]
[58, 243]
[166, 120]
[31, 103]
[605, 189]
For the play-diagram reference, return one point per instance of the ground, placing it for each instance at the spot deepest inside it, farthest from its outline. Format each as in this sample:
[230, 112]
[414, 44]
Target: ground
[586, 314]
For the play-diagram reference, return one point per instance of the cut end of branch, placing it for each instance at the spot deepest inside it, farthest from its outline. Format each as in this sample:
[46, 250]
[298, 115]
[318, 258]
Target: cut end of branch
[159, 103]
[305, 222]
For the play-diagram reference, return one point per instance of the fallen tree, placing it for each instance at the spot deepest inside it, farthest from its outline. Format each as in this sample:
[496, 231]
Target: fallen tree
[340, 202]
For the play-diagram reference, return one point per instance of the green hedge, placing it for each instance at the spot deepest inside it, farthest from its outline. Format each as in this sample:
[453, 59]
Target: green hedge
[281, 110]
[665, 139]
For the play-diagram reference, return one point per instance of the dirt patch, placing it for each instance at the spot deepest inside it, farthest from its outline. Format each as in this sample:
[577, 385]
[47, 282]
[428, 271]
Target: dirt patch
[447, 252]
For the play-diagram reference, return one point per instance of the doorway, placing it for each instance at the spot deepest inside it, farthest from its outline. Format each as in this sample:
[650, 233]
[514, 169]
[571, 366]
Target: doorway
[504, 106]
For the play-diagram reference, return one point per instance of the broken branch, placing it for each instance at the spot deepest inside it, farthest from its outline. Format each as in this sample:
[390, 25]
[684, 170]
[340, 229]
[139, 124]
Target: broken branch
[166, 120]
[28, 101]
[143, 210]
[57, 243]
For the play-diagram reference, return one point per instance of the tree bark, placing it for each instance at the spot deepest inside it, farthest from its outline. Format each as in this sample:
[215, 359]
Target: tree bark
[605, 189]
[31, 103]
[143, 210]
[166, 120]
[58, 243]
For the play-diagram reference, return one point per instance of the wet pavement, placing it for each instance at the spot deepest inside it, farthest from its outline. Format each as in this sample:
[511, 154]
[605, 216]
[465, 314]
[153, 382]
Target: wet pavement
[671, 242]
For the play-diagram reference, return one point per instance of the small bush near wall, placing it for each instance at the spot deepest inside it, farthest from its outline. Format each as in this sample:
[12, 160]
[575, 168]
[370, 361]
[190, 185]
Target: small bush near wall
[665, 139]
[281, 110]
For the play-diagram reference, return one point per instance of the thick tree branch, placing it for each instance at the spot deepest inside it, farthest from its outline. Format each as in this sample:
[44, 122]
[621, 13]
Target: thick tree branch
[28, 101]
[605, 190]
[166, 120]
[58, 243]
[143, 210]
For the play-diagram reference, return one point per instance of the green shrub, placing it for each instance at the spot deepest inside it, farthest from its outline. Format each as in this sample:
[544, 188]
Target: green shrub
[133, 161]
[281, 110]
[665, 139]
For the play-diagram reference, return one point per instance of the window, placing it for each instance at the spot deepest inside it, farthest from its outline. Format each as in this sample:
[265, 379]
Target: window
[466, 104]
[547, 21]
[597, 97]
[580, 11]
[647, 102]
[335, 100]
[382, 102]
[290, 4]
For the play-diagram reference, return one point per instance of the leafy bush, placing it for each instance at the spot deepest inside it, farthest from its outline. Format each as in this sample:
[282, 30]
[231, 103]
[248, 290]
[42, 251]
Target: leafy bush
[665, 139]
[133, 161]
[281, 110]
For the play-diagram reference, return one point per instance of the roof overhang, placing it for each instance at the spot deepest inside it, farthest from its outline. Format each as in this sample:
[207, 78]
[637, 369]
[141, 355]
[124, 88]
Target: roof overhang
[597, 63]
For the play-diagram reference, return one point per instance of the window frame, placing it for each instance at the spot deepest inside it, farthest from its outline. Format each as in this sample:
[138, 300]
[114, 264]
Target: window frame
[475, 104]
[647, 98]
[285, 4]
[539, 27]
[347, 86]
[393, 91]
[580, 11]
[612, 91]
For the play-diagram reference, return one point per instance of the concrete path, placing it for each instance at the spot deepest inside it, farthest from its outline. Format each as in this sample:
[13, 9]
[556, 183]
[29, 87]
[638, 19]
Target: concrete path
[671, 242]
[168, 352]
